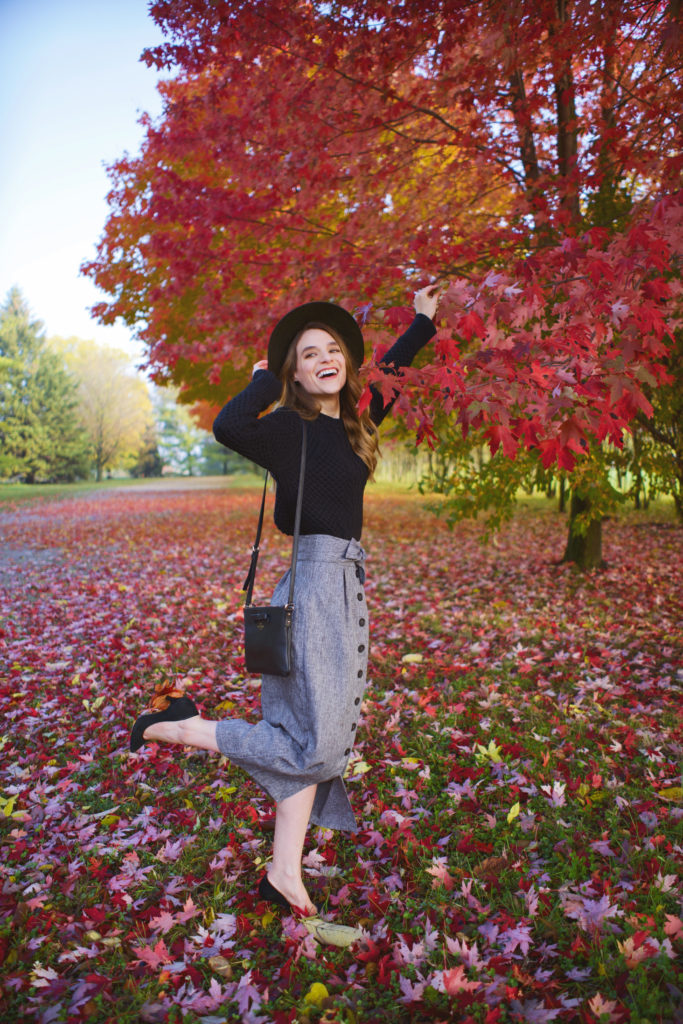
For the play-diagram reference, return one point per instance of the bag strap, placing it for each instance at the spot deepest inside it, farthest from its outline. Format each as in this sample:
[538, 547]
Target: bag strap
[251, 575]
[297, 516]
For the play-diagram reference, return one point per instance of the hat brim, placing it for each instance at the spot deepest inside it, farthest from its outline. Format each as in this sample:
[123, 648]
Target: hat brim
[326, 313]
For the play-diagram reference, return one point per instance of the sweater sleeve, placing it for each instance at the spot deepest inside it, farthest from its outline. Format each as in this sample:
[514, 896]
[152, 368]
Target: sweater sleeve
[401, 353]
[239, 426]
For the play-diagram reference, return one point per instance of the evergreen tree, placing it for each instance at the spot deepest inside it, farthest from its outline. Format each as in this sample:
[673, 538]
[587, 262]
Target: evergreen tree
[148, 461]
[41, 439]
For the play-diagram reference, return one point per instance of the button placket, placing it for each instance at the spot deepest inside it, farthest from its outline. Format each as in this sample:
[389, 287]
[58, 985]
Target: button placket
[362, 646]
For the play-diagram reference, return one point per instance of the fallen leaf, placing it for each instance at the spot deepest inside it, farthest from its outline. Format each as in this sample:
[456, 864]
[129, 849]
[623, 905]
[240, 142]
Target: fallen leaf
[221, 966]
[316, 994]
[332, 934]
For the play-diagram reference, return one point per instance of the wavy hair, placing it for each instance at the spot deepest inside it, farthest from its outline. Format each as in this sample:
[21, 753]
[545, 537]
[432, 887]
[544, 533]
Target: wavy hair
[360, 430]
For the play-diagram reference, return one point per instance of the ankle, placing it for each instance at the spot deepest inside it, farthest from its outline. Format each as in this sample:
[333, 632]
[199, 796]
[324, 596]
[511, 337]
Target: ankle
[161, 732]
[285, 872]
[184, 731]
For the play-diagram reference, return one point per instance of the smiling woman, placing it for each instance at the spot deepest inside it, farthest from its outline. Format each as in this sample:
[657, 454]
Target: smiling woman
[299, 751]
[320, 366]
[319, 370]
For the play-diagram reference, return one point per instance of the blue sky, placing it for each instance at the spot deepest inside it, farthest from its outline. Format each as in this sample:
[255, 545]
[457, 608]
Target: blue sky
[72, 89]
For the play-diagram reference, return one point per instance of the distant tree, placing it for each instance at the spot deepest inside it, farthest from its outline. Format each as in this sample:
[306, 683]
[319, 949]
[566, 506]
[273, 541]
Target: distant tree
[181, 441]
[219, 460]
[114, 404]
[658, 440]
[41, 438]
[148, 461]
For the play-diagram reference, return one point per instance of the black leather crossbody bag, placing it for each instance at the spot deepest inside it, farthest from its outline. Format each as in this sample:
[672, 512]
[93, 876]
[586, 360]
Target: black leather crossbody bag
[268, 628]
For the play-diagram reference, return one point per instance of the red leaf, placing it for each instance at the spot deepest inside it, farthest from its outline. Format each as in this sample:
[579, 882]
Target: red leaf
[471, 325]
[154, 956]
[455, 981]
[499, 435]
[364, 401]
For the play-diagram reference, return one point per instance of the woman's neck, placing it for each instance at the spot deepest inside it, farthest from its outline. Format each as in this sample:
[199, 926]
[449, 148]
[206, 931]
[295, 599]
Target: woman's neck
[329, 405]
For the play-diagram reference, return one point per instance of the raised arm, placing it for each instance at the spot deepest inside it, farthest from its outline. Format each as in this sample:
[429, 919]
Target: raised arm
[240, 427]
[404, 350]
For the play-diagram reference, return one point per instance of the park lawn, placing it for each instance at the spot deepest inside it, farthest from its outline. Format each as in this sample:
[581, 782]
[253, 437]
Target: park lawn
[517, 779]
[10, 493]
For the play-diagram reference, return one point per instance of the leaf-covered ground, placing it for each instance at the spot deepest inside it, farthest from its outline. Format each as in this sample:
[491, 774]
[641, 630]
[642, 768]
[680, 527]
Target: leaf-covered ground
[517, 779]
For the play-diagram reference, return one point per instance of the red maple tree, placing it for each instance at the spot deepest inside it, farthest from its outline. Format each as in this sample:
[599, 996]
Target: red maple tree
[529, 154]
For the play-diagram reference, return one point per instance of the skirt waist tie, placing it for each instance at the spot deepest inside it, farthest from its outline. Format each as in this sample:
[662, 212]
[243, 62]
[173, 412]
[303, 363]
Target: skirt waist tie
[319, 547]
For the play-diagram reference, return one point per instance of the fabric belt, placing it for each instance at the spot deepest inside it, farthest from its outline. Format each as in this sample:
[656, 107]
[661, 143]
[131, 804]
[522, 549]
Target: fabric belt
[319, 547]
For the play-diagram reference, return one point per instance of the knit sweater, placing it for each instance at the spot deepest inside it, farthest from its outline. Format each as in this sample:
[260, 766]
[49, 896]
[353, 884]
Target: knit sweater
[335, 475]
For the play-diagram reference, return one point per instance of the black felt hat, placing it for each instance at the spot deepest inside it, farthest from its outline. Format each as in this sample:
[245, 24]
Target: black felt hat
[314, 312]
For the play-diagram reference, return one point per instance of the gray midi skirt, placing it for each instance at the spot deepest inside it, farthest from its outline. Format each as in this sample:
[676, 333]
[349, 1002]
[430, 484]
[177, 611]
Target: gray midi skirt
[310, 717]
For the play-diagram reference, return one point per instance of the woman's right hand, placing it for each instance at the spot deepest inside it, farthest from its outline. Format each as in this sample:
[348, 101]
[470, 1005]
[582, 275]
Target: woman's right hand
[261, 365]
[427, 299]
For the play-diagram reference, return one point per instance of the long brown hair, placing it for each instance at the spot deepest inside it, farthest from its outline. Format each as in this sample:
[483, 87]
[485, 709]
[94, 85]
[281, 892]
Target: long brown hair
[361, 431]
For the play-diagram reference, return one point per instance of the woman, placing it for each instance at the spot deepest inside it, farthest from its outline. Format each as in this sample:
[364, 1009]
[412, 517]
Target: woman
[298, 752]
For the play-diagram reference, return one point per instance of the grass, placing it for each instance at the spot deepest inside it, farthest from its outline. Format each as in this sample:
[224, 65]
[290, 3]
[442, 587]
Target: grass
[661, 509]
[20, 492]
[538, 689]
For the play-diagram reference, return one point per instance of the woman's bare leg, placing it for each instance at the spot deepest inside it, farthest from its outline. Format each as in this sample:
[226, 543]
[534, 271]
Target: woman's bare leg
[291, 814]
[191, 732]
[291, 822]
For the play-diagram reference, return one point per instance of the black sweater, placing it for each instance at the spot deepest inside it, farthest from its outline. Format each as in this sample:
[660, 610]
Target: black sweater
[335, 475]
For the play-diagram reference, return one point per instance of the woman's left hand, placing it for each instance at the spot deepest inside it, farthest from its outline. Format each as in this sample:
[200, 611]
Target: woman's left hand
[427, 299]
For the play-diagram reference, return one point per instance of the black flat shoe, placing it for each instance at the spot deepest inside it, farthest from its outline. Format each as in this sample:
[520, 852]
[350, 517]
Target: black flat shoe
[268, 892]
[179, 708]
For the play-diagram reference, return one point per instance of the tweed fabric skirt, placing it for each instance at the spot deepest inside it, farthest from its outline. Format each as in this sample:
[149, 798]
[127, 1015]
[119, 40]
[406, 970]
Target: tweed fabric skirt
[310, 717]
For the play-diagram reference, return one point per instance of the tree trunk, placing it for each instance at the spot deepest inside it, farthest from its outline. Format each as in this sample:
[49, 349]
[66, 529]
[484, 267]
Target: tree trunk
[584, 549]
[638, 486]
[678, 501]
[562, 503]
[565, 109]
